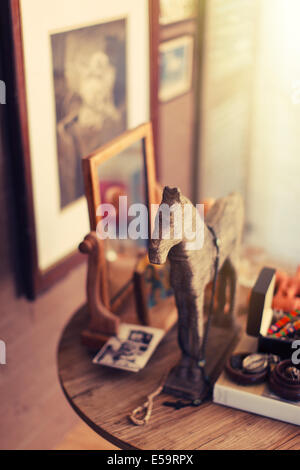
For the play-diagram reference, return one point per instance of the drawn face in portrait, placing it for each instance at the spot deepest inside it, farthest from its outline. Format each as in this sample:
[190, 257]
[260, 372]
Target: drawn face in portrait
[90, 94]
[95, 88]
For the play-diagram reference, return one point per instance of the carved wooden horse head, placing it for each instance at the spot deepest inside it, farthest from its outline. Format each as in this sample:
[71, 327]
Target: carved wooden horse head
[171, 224]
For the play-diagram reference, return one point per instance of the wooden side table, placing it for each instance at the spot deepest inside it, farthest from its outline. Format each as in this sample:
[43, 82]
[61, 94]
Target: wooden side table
[105, 397]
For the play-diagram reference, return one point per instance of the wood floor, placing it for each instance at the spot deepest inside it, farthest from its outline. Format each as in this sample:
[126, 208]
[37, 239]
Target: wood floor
[83, 438]
[34, 413]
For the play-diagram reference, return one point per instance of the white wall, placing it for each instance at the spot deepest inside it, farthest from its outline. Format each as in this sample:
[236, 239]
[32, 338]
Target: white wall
[274, 171]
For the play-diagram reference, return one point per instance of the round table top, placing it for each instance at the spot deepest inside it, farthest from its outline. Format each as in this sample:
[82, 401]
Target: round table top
[104, 398]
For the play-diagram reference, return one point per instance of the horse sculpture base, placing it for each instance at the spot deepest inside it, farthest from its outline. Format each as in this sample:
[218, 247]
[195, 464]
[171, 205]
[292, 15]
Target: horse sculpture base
[221, 343]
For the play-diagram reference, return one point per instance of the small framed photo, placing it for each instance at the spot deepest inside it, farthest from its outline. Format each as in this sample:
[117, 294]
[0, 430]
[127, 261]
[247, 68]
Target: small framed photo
[176, 67]
[173, 11]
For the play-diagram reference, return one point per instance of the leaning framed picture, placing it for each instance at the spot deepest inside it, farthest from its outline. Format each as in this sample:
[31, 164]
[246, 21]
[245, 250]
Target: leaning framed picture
[176, 67]
[82, 79]
[153, 294]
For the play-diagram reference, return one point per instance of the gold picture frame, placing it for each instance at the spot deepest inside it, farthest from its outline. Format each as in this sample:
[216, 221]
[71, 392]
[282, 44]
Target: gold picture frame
[112, 296]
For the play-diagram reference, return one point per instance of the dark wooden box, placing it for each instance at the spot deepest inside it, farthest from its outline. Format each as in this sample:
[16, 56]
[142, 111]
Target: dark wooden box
[260, 316]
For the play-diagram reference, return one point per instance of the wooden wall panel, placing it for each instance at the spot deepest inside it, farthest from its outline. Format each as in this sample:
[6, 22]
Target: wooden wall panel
[176, 143]
[175, 121]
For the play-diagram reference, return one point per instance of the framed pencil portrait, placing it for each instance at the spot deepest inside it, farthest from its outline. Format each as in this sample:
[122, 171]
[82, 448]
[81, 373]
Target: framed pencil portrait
[82, 79]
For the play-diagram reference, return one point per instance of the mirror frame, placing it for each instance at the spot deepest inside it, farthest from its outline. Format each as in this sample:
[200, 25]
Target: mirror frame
[90, 166]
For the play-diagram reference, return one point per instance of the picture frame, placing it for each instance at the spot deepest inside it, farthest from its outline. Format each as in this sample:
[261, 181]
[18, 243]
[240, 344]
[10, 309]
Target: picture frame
[125, 166]
[154, 296]
[174, 11]
[176, 67]
[54, 230]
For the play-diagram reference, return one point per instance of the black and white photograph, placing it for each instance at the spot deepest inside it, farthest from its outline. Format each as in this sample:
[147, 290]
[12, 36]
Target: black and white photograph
[122, 354]
[139, 336]
[131, 349]
[89, 67]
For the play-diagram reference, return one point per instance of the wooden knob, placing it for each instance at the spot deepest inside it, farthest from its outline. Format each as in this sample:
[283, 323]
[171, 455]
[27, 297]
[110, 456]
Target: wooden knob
[86, 246]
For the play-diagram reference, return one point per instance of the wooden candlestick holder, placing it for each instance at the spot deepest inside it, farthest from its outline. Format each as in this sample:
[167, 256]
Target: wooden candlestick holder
[103, 323]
